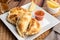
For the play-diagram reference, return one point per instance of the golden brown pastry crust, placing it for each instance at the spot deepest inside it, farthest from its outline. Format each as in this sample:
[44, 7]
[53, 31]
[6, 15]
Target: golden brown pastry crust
[15, 14]
[34, 27]
[23, 23]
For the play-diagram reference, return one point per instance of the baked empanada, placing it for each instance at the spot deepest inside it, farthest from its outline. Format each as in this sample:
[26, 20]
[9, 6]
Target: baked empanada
[15, 14]
[23, 23]
[34, 27]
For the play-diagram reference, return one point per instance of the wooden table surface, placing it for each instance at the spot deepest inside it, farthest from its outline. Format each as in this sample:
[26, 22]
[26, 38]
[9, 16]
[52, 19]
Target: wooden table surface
[5, 33]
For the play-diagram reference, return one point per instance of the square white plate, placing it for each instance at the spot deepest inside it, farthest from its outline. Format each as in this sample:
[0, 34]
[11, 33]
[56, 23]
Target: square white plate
[48, 22]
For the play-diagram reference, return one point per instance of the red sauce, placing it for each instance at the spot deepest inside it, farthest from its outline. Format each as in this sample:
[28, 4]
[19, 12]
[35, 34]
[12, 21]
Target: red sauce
[39, 15]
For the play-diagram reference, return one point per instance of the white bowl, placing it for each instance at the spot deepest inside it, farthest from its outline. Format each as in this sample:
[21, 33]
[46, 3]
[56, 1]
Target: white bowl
[53, 10]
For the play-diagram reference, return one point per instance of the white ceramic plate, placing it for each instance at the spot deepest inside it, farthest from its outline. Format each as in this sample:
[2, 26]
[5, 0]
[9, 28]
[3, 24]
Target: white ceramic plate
[48, 22]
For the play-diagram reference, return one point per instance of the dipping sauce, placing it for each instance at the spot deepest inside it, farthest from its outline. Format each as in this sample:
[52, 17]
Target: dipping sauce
[39, 15]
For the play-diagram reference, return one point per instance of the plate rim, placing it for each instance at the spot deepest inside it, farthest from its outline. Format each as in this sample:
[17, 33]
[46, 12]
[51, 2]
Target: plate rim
[42, 9]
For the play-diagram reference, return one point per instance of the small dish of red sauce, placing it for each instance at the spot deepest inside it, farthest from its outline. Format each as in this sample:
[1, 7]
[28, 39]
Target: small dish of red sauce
[39, 15]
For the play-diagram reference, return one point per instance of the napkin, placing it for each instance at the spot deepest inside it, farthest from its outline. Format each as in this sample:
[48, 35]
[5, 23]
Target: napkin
[57, 27]
[51, 36]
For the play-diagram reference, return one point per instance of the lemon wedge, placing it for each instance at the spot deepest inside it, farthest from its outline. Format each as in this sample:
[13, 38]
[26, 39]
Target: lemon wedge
[52, 4]
[32, 6]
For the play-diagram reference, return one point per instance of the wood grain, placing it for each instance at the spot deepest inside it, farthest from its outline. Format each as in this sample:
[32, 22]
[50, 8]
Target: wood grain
[5, 33]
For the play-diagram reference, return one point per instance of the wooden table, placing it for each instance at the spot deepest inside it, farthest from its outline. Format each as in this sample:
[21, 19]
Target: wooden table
[5, 33]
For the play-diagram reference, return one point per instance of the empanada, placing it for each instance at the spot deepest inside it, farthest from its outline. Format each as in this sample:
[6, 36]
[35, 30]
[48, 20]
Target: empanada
[23, 23]
[15, 14]
[34, 27]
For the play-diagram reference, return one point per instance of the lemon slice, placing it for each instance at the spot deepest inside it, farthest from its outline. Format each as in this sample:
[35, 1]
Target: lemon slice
[52, 4]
